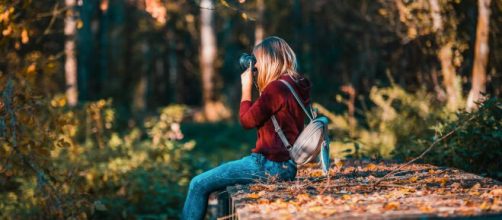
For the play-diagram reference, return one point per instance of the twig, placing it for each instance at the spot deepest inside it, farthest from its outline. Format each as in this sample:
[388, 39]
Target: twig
[227, 217]
[52, 13]
[327, 184]
[53, 18]
[423, 153]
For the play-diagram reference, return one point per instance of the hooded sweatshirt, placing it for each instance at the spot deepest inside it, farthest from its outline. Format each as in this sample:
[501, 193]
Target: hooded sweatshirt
[276, 99]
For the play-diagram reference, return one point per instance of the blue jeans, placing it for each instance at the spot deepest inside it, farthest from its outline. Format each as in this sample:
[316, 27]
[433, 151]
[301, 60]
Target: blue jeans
[248, 169]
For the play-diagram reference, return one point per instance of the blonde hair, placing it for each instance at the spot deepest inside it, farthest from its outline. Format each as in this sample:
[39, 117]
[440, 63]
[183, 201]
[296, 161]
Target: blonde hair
[274, 58]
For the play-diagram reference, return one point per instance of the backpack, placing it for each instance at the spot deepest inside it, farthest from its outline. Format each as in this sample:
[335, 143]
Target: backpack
[311, 141]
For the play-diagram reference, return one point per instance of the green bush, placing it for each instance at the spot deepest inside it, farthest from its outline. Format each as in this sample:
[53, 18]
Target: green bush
[134, 177]
[394, 123]
[475, 146]
[402, 125]
[99, 172]
[219, 142]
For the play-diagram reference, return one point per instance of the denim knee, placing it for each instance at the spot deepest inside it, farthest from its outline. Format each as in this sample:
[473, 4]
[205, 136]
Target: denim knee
[196, 183]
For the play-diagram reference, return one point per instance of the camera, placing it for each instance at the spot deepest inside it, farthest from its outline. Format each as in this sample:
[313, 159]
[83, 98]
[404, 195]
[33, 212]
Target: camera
[247, 60]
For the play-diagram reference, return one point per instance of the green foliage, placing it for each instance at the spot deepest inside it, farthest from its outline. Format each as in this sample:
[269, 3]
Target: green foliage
[219, 142]
[400, 117]
[107, 174]
[402, 125]
[133, 176]
[475, 146]
[397, 119]
[61, 162]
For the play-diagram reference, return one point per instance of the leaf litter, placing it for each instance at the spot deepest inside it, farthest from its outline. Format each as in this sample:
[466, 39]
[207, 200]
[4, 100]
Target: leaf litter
[417, 190]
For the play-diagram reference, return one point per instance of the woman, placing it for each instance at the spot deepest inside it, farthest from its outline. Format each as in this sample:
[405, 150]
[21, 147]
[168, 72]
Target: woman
[274, 60]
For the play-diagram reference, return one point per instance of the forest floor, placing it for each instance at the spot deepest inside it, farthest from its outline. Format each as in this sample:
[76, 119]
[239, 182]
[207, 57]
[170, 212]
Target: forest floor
[417, 191]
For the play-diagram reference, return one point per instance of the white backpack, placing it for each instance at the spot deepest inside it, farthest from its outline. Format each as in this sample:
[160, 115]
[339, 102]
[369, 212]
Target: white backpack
[311, 141]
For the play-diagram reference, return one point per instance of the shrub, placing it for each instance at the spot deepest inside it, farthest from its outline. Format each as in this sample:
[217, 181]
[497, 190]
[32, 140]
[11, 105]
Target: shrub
[394, 124]
[475, 146]
[98, 172]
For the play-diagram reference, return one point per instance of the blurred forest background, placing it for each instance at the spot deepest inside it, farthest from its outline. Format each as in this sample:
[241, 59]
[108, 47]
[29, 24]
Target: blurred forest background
[109, 107]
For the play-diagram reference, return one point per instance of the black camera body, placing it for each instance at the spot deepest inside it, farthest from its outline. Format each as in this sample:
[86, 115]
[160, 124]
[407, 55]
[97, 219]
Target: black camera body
[246, 61]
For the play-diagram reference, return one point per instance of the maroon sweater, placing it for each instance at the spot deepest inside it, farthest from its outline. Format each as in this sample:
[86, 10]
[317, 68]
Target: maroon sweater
[276, 99]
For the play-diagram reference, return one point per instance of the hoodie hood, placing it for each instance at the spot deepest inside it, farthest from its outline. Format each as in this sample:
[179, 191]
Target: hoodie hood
[301, 85]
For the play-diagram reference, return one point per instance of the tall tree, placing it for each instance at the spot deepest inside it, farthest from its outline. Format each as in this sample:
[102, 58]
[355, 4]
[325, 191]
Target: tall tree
[70, 62]
[85, 48]
[481, 51]
[445, 37]
[259, 31]
[445, 56]
[140, 97]
[450, 79]
[104, 36]
[214, 109]
[172, 60]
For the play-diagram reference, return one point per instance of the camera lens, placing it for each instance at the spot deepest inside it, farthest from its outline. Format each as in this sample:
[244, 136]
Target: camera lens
[246, 60]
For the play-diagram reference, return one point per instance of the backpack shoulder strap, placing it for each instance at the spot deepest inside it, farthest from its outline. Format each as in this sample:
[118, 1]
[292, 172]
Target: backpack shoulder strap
[279, 132]
[311, 117]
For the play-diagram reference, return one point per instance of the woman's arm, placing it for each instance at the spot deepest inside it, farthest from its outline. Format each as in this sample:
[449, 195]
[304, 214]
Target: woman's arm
[251, 114]
[247, 85]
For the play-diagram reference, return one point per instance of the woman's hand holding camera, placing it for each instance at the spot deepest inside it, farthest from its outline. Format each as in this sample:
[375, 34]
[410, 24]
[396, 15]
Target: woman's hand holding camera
[247, 84]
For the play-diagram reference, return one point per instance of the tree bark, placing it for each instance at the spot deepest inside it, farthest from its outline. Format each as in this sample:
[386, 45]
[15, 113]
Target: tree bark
[70, 62]
[480, 55]
[85, 49]
[140, 97]
[104, 37]
[450, 81]
[172, 60]
[259, 31]
[437, 23]
[445, 56]
[213, 108]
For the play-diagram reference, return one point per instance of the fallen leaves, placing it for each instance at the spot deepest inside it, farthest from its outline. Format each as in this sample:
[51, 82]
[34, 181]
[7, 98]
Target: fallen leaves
[253, 196]
[371, 167]
[261, 187]
[413, 179]
[350, 194]
[455, 186]
[474, 191]
[391, 206]
[256, 195]
[442, 181]
[346, 197]
[425, 208]
[303, 197]
[316, 173]
[496, 192]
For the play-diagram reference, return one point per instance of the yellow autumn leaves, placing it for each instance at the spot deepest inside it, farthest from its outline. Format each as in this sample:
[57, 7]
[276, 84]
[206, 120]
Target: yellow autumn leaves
[24, 36]
[421, 189]
[58, 101]
[5, 14]
[11, 29]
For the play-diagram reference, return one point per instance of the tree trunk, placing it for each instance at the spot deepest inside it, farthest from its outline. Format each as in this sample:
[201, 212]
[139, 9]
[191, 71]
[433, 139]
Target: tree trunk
[140, 97]
[437, 23]
[214, 110]
[450, 81]
[445, 56]
[259, 31]
[172, 60]
[480, 55]
[104, 37]
[70, 62]
[85, 49]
